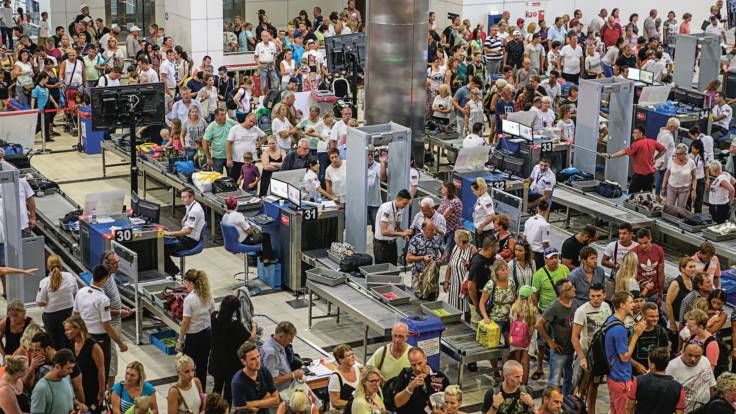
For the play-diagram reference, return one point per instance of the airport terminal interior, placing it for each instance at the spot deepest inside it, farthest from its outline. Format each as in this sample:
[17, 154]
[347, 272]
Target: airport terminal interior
[367, 207]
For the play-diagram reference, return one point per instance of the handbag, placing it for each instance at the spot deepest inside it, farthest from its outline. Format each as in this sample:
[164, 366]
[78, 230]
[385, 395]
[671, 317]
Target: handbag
[184, 167]
[609, 189]
[174, 301]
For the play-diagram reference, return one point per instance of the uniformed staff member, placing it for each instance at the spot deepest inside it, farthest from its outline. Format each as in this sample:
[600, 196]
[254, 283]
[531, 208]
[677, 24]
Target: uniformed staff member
[388, 229]
[483, 213]
[541, 183]
[93, 306]
[536, 232]
[188, 237]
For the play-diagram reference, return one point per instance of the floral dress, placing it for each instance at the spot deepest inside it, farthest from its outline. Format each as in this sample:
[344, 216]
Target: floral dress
[502, 300]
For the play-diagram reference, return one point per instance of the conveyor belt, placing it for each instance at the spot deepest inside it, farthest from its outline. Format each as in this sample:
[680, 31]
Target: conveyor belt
[579, 201]
[54, 206]
[723, 248]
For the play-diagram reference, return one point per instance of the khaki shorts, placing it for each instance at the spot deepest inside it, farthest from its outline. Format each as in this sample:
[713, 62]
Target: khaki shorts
[114, 350]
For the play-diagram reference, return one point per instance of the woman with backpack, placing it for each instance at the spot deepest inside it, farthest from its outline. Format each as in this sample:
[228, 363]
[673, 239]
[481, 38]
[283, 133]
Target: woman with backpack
[495, 303]
[344, 381]
[523, 317]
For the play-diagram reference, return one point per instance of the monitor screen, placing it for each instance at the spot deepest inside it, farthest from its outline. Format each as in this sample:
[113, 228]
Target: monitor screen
[280, 189]
[525, 132]
[150, 211]
[510, 127]
[646, 76]
[295, 195]
[633, 74]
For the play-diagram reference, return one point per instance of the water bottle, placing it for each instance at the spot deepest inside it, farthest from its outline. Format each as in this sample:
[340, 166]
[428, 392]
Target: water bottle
[93, 218]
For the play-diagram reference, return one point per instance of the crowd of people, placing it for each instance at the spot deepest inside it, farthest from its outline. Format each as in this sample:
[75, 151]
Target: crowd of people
[660, 335]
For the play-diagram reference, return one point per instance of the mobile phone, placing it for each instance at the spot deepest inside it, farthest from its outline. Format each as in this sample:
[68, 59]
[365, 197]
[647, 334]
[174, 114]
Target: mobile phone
[638, 317]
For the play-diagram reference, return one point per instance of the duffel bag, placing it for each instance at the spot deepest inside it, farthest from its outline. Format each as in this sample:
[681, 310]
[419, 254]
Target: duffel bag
[609, 189]
[224, 185]
[354, 261]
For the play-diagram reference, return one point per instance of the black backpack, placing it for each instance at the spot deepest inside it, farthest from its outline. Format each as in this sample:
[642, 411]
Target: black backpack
[715, 403]
[723, 354]
[597, 360]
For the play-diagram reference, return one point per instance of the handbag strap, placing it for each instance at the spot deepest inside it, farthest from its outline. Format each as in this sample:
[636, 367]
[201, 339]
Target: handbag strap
[181, 397]
[551, 282]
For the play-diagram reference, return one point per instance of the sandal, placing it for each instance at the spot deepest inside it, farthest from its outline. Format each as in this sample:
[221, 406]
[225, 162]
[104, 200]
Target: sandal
[537, 375]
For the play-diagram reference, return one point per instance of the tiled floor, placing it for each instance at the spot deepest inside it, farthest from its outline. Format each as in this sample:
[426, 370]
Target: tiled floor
[83, 172]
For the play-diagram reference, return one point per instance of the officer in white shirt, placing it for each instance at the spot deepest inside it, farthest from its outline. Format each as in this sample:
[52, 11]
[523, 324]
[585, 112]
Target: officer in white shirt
[168, 72]
[474, 139]
[722, 115]
[188, 237]
[541, 183]
[27, 204]
[246, 232]
[93, 306]
[388, 228]
[536, 233]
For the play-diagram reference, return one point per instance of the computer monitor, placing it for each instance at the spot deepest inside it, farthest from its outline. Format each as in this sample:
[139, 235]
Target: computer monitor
[295, 195]
[104, 204]
[279, 189]
[150, 211]
[510, 127]
[525, 132]
[134, 200]
[634, 74]
[646, 76]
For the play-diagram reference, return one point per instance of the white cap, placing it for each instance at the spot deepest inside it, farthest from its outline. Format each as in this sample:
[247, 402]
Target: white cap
[83, 6]
[134, 29]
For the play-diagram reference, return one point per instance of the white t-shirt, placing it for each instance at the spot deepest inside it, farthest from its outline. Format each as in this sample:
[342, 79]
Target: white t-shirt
[567, 130]
[473, 141]
[106, 81]
[697, 381]
[62, 298]
[277, 126]
[244, 140]
[718, 195]
[324, 133]
[150, 76]
[388, 213]
[334, 384]
[337, 177]
[571, 59]
[310, 185]
[548, 118]
[707, 141]
[716, 30]
[699, 165]
[668, 141]
[619, 252]
[237, 220]
[339, 132]
[440, 101]
[198, 311]
[680, 175]
[481, 210]
[590, 319]
[169, 69]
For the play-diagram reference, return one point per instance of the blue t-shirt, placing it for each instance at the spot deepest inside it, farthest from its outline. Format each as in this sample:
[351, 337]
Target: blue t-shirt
[503, 108]
[41, 95]
[298, 52]
[126, 401]
[462, 96]
[617, 343]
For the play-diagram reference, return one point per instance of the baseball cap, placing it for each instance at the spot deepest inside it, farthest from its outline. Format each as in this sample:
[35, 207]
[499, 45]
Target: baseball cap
[134, 29]
[517, 33]
[310, 41]
[525, 291]
[550, 252]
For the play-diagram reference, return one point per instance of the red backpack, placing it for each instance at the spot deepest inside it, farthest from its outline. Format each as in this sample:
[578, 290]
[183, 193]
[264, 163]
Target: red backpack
[519, 333]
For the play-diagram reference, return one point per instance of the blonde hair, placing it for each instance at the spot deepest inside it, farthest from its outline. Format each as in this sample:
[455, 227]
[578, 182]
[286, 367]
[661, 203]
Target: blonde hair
[480, 185]
[201, 284]
[497, 266]
[78, 323]
[182, 360]
[369, 370]
[54, 265]
[142, 405]
[463, 235]
[456, 391]
[700, 304]
[444, 90]
[627, 271]
[138, 367]
[31, 330]
[523, 309]
[15, 364]
[16, 305]
[298, 401]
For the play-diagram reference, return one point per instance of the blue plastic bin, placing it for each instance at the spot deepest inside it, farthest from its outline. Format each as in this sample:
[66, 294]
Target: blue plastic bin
[728, 284]
[91, 139]
[270, 275]
[425, 332]
[156, 340]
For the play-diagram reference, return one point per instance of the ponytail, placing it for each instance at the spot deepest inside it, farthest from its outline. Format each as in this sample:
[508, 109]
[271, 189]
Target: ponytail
[480, 185]
[54, 265]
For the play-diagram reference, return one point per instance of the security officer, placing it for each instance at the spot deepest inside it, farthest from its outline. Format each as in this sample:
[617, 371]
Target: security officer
[188, 237]
[93, 306]
[541, 183]
[387, 230]
[536, 232]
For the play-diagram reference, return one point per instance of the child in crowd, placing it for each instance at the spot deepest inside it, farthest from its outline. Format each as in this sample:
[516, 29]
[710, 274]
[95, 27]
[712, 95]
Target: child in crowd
[249, 174]
[523, 317]
[142, 405]
[566, 124]
[169, 139]
[200, 158]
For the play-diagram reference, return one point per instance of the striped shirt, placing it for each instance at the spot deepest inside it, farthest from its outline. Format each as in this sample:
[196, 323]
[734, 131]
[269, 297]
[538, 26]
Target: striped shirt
[116, 305]
[687, 304]
[495, 44]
